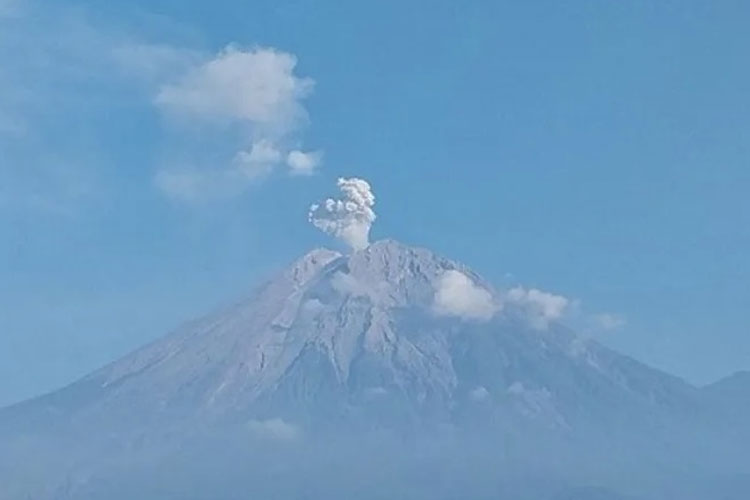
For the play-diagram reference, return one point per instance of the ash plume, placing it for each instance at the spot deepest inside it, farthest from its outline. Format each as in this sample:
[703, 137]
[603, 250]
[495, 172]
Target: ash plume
[348, 218]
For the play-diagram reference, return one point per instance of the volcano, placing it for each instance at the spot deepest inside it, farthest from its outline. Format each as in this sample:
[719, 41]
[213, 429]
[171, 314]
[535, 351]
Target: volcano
[356, 339]
[365, 343]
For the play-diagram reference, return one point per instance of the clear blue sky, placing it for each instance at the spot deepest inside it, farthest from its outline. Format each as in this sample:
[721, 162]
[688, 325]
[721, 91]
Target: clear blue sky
[598, 150]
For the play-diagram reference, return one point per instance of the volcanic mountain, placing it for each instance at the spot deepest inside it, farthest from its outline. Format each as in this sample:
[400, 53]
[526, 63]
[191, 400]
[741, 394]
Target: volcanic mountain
[389, 338]
[357, 340]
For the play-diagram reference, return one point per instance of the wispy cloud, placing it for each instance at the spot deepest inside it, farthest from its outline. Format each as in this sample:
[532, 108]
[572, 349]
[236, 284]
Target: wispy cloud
[456, 294]
[274, 428]
[152, 63]
[538, 307]
[301, 163]
[608, 322]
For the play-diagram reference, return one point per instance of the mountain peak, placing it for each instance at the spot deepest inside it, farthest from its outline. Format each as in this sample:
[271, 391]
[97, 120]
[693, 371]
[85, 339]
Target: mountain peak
[386, 244]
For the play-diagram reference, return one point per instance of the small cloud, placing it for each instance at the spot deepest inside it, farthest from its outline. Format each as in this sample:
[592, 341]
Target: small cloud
[274, 428]
[516, 388]
[303, 163]
[259, 161]
[538, 307]
[608, 321]
[479, 393]
[180, 184]
[457, 295]
[592, 324]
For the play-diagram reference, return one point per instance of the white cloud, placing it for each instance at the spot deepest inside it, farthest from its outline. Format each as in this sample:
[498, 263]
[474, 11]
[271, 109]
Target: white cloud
[479, 393]
[349, 218]
[274, 428]
[301, 163]
[250, 99]
[608, 321]
[457, 295]
[256, 86]
[224, 109]
[259, 161]
[538, 307]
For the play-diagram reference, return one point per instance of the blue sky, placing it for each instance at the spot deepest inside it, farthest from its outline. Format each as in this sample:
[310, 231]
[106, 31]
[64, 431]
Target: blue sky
[597, 150]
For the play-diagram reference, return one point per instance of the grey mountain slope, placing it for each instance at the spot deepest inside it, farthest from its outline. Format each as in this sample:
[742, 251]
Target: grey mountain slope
[354, 339]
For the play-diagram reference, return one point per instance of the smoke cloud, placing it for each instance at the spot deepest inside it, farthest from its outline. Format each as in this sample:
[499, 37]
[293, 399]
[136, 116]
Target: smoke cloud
[349, 218]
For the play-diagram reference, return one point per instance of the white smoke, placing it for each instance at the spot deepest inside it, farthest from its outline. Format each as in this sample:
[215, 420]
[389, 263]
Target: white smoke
[349, 218]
